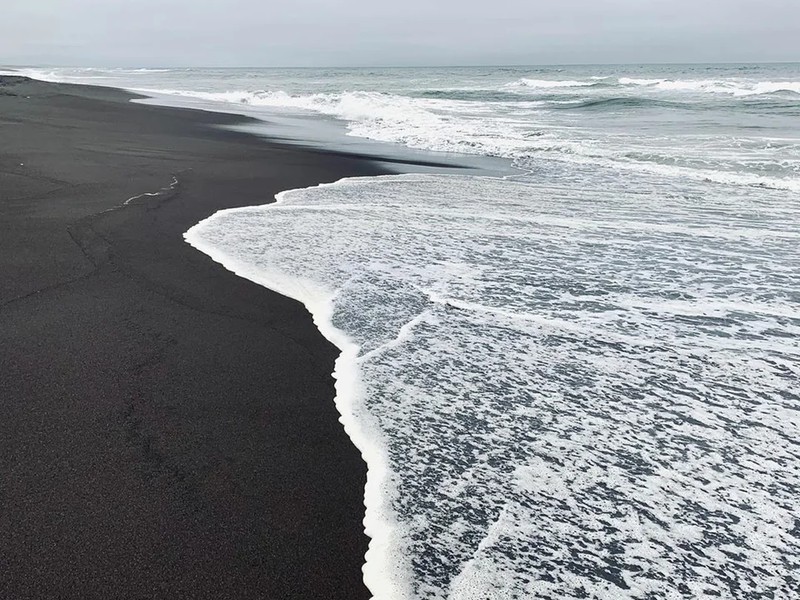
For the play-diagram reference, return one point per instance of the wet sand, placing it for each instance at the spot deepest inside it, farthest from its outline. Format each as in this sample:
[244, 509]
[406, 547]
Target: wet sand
[167, 429]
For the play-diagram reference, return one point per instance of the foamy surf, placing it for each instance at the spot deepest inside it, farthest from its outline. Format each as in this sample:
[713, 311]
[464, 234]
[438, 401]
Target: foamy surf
[535, 374]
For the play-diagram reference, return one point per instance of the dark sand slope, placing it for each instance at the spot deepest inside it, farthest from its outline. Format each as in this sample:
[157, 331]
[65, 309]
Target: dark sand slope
[167, 429]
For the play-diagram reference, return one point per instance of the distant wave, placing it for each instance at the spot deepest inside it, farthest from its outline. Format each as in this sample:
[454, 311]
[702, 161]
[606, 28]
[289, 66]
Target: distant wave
[146, 70]
[478, 95]
[622, 102]
[733, 87]
[93, 75]
[547, 84]
[116, 70]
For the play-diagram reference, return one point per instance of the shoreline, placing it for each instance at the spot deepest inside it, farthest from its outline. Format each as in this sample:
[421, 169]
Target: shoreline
[169, 427]
[310, 130]
[379, 576]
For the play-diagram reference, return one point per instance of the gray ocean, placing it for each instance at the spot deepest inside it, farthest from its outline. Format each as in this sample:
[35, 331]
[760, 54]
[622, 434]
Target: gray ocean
[576, 379]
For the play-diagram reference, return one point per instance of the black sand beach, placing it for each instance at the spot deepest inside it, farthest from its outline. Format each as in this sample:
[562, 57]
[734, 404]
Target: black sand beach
[167, 429]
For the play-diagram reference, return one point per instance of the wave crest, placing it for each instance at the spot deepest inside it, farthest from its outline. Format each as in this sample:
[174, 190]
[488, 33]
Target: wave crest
[714, 86]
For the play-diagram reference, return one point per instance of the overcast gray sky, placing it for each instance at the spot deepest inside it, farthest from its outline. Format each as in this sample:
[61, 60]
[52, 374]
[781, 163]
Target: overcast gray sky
[397, 32]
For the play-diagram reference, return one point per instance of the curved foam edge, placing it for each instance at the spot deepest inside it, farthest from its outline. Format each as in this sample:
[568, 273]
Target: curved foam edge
[383, 573]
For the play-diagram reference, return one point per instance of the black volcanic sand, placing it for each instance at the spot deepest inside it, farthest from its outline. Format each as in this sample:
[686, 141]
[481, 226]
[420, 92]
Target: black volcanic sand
[167, 429]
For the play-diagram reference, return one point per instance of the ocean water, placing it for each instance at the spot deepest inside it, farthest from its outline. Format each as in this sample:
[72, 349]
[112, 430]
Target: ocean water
[722, 123]
[581, 380]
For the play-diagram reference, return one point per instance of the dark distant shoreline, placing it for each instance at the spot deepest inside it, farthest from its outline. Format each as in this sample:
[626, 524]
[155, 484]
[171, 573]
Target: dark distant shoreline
[167, 429]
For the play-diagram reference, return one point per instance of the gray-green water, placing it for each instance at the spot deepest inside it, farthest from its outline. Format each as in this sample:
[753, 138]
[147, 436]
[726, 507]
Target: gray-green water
[736, 124]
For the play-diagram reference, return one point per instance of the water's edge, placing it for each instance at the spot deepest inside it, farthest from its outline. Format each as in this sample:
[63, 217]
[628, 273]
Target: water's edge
[382, 576]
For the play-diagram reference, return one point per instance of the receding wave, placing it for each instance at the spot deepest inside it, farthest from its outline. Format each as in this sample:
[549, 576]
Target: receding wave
[561, 392]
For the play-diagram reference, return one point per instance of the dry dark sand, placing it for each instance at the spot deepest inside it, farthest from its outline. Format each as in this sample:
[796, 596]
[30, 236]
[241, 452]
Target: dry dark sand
[167, 429]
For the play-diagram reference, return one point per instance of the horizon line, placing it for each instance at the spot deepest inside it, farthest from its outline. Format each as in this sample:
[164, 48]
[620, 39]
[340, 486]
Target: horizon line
[442, 66]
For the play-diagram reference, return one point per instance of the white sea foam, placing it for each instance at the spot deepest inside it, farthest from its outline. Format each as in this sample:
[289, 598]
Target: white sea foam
[559, 393]
[385, 572]
[430, 124]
